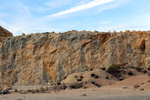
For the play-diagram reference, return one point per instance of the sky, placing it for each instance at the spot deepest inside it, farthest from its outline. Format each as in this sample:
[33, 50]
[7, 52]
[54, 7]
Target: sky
[31, 16]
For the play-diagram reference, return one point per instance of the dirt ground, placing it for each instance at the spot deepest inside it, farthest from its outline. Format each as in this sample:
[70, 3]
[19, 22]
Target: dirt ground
[136, 87]
[103, 93]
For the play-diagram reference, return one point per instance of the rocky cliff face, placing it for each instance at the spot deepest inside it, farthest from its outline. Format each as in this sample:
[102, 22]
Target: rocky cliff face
[40, 58]
[4, 33]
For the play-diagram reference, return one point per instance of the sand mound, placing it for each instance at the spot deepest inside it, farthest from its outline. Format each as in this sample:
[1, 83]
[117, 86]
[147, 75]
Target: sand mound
[97, 76]
[135, 80]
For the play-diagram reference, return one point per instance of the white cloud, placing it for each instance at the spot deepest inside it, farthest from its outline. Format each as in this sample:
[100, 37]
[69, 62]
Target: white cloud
[112, 5]
[52, 4]
[82, 7]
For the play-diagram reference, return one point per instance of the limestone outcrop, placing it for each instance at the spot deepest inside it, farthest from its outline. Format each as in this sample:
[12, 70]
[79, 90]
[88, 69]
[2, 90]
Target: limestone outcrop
[4, 33]
[51, 57]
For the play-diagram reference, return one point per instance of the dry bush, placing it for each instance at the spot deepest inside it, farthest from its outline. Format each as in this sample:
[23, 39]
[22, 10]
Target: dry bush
[138, 69]
[84, 86]
[92, 75]
[114, 68]
[80, 79]
[16, 90]
[103, 68]
[142, 89]
[96, 76]
[144, 71]
[37, 90]
[130, 73]
[136, 86]
[75, 85]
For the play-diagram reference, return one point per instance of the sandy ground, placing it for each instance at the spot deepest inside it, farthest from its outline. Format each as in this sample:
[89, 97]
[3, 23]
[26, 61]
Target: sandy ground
[103, 93]
[119, 90]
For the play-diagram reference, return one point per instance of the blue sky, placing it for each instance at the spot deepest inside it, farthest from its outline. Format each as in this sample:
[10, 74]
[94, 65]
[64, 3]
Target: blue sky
[31, 16]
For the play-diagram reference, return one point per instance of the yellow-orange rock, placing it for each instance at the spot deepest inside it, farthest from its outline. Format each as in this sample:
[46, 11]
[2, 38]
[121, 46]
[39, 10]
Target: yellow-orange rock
[46, 57]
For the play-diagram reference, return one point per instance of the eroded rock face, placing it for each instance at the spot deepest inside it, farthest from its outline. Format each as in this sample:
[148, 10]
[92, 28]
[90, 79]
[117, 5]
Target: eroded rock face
[40, 58]
[3, 34]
